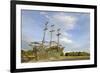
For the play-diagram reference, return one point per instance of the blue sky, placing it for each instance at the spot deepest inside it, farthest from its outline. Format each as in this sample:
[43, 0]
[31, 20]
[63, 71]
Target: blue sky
[75, 28]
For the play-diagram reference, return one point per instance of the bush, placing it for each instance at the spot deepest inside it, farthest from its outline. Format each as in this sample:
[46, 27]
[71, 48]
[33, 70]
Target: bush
[77, 54]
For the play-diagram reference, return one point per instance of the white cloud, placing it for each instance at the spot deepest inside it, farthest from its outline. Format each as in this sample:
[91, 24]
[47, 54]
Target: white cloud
[65, 34]
[65, 40]
[64, 21]
[43, 13]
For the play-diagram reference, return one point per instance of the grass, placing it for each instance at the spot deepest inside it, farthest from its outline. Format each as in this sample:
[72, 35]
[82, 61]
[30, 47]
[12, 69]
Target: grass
[61, 58]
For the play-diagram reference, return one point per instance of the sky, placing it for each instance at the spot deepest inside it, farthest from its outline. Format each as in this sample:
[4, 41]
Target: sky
[74, 28]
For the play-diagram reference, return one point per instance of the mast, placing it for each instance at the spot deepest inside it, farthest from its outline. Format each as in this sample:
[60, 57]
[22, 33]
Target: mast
[51, 31]
[45, 29]
[58, 34]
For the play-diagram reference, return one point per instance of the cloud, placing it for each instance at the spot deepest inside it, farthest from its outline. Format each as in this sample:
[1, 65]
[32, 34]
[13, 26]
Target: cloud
[62, 20]
[66, 34]
[66, 20]
[43, 13]
[65, 40]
